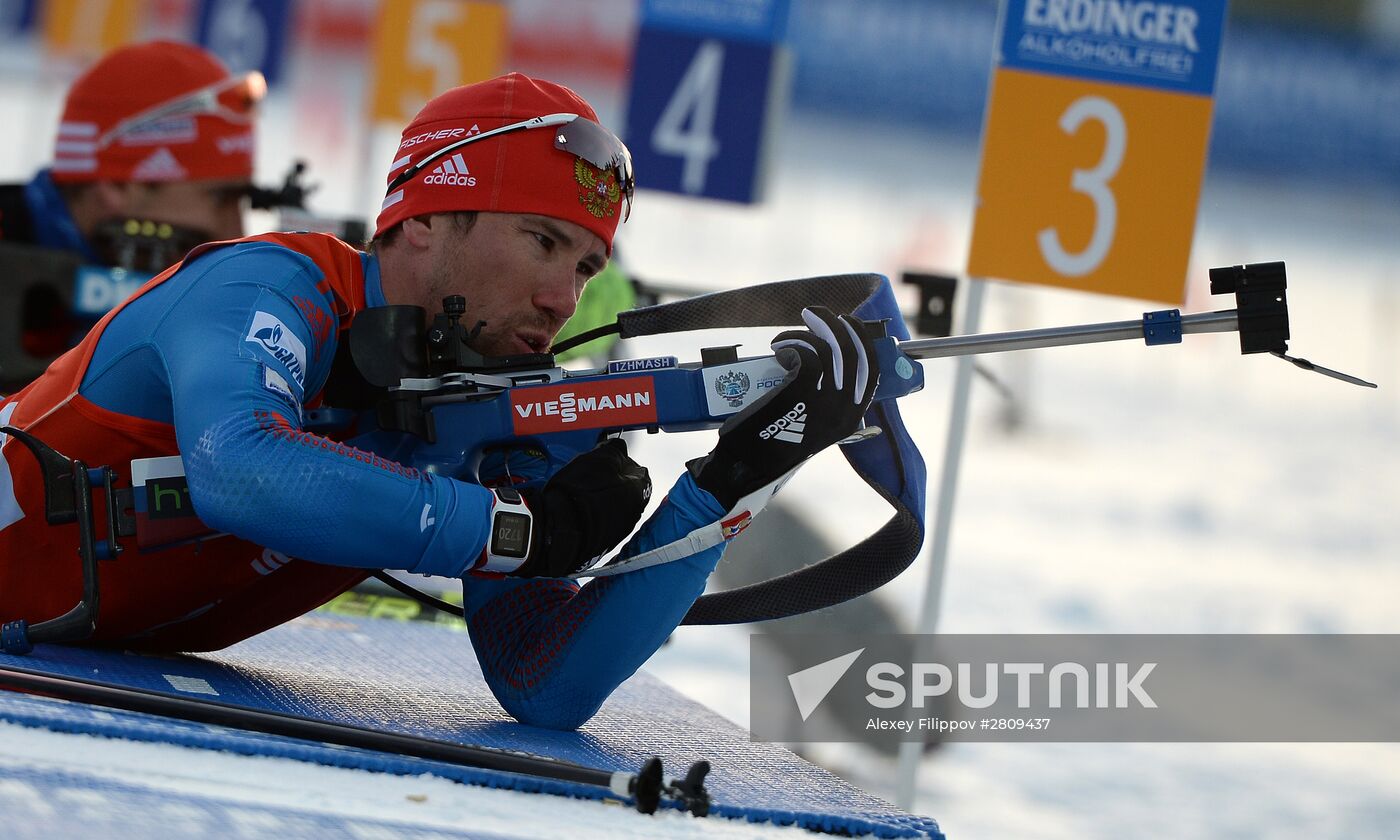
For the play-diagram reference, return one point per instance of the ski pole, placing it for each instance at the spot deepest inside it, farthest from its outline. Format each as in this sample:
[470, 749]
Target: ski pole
[645, 787]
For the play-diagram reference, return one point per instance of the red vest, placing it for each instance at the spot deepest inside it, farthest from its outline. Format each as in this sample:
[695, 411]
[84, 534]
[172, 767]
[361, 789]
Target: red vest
[199, 596]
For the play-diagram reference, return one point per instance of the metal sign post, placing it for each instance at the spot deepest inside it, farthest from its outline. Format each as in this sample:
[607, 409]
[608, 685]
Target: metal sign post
[911, 752]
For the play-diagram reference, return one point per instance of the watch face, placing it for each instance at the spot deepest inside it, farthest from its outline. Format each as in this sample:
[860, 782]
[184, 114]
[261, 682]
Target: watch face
[510, 534]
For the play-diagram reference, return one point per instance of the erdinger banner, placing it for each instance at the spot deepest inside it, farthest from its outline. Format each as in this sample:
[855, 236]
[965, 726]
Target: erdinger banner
[881, 689]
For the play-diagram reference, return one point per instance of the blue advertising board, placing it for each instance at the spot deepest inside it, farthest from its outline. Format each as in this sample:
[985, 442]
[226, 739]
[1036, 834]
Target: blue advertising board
[733, 20]
[708, 79]
[245, 34]
[1166, 46]
[17, 17]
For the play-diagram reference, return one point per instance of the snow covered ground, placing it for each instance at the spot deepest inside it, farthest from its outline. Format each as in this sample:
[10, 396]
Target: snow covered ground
[1170, 489]
[367, 805]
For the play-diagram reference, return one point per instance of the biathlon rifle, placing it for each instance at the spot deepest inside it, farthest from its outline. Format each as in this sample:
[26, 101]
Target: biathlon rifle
[456, 406]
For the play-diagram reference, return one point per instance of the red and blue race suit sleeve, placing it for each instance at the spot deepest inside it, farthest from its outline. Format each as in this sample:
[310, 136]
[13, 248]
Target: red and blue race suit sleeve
[228, 351]
[553, 651]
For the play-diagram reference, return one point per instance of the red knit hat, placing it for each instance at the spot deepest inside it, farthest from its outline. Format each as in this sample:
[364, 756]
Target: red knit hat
[159, 111]
[567, 169]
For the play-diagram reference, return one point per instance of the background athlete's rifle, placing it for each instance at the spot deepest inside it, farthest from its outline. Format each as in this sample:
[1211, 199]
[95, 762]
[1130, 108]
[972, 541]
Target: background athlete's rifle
[288, 201]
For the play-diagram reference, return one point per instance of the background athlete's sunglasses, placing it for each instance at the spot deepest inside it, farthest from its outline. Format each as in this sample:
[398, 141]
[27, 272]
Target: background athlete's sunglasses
[580, 137]
[233, 99]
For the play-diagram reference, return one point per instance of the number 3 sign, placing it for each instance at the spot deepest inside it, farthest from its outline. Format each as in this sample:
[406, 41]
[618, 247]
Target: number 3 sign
[1094, 144]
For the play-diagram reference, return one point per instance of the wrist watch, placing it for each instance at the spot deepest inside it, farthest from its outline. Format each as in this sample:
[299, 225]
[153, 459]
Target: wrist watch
[508, 545]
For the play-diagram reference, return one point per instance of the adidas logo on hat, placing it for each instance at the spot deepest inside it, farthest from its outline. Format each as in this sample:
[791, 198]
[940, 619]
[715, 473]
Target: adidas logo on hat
[160, 166]
[453, 172]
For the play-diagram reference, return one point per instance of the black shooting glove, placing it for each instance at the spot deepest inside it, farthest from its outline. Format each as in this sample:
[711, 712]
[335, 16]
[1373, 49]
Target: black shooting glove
[585, 510]
[831, 379]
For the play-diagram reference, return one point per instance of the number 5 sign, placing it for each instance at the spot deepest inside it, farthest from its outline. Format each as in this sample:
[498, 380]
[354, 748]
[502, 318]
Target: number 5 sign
[89, 27]
[1095, 142]
[424, 47]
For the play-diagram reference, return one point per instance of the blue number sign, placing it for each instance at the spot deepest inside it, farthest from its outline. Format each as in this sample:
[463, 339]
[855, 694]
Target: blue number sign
[246, 34]
[707, 80]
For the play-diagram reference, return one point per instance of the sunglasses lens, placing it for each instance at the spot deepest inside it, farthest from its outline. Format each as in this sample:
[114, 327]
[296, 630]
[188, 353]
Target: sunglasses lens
[600, 147]
[242, 93]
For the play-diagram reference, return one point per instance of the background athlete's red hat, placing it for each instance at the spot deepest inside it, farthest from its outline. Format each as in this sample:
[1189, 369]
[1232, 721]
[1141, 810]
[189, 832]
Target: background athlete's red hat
[517, 172]
[159, 111]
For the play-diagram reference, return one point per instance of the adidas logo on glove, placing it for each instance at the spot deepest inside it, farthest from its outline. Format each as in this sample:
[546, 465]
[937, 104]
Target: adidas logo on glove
[789, 427]
[452, 172]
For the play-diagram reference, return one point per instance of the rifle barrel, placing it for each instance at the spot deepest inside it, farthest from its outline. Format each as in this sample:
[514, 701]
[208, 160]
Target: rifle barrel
[967, 345]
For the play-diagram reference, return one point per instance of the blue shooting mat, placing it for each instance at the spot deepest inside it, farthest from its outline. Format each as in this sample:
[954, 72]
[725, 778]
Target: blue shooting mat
[421, 679]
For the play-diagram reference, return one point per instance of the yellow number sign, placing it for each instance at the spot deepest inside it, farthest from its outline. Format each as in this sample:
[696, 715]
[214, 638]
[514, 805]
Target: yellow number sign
[1094, 145]
[89, 28]
[424, 47]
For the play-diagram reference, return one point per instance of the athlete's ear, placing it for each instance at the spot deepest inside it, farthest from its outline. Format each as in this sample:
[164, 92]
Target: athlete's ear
[418, 231]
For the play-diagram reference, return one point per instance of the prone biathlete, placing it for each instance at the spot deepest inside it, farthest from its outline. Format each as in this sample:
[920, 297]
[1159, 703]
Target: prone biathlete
[153, 156]
[218, 359]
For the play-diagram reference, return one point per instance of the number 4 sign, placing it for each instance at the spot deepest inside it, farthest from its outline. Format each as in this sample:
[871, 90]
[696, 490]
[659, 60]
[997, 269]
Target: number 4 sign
[695, 101]
[1095, 142]
[706, 77]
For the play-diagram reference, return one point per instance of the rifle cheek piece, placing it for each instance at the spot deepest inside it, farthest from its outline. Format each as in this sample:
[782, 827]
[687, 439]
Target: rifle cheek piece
[449, 346]
[390, 344]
